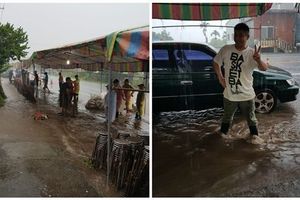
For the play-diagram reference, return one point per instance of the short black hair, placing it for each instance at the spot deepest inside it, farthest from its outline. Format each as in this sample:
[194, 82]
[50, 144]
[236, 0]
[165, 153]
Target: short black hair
[116, 81]
[242, 27]
[68, 79]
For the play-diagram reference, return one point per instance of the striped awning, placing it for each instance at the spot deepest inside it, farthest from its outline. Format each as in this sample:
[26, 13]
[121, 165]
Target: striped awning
[207, 11]
[128, 53]
[129, 44]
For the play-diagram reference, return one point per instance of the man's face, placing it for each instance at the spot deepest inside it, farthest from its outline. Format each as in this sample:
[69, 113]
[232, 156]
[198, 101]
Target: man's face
[240, 37]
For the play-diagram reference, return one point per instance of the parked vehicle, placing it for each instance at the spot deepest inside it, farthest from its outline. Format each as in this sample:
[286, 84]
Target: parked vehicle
[184, 79]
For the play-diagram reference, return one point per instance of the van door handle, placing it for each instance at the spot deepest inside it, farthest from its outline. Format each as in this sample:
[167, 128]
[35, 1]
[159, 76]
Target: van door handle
[186, 82]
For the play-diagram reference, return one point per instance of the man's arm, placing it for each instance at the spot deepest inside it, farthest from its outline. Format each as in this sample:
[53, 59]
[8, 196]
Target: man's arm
[220, 76]
[262, 65]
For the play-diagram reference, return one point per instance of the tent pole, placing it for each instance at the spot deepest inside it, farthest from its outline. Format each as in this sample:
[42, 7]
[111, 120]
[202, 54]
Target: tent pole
[35, 87]
[101, 79]
[109, 123]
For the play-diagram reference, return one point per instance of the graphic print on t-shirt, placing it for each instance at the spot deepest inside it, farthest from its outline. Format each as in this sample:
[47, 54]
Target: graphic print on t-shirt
[235, 72]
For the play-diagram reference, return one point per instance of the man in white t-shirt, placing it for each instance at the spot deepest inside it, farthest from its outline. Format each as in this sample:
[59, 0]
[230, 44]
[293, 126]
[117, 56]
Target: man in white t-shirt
[239, 61]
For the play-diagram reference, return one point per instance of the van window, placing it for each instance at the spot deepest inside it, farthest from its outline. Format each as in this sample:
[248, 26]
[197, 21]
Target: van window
[195, 60]
[160, 54]
[194, 55]
[160, 61]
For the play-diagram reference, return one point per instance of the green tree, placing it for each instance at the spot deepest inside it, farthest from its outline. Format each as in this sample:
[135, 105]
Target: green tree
[225, 36]
[162, 36]
[215, 33]
[13, 46]
[204, 25]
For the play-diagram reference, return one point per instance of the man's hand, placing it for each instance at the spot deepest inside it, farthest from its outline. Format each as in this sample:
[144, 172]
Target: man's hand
[256, 55]
[222, 82]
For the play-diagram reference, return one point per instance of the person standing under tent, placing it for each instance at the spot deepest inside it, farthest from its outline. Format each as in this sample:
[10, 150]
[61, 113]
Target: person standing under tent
[110, 104]
[120, 96]
[76, 88]
[36, 82]
[239, 61]
[140, 102]
[36, 79]
[66, 91]
[128, 94]
[60, 80]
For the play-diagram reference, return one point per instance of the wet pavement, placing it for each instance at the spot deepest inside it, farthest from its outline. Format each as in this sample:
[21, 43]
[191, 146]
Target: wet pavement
[191, 159]
[50, 158]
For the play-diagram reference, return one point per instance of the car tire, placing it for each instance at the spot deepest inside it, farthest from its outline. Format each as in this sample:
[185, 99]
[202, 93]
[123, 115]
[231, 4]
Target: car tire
[265, 101]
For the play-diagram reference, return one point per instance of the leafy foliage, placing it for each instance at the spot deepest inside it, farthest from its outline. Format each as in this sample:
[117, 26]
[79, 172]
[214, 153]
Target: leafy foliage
[13, 43]
[162, 36]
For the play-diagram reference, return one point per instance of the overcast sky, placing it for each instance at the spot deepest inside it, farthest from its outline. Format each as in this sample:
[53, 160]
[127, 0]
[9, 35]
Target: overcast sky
[188, 34]
[51, 25]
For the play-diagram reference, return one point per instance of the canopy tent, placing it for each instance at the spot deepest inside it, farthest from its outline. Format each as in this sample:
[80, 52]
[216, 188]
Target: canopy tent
[123, 51]
[127, 51]
[207, 11]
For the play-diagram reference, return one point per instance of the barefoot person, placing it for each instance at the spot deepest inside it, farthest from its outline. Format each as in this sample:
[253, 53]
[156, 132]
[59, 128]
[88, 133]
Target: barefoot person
[239, 61]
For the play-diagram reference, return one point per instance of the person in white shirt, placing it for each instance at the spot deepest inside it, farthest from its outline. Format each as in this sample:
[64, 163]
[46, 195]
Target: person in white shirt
[239, 61]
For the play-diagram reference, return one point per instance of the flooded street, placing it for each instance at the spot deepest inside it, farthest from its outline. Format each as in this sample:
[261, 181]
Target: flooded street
[50, 158]
[191, 159]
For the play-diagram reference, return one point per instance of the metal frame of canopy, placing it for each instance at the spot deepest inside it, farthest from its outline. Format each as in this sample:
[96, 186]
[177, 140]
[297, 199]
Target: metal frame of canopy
[122, 51]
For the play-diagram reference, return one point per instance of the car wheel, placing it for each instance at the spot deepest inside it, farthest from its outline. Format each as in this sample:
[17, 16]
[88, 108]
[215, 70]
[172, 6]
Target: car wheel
[265, 101]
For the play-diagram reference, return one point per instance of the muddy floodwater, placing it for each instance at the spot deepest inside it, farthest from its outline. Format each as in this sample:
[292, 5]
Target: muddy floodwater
[50, 158]
[191, 159]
